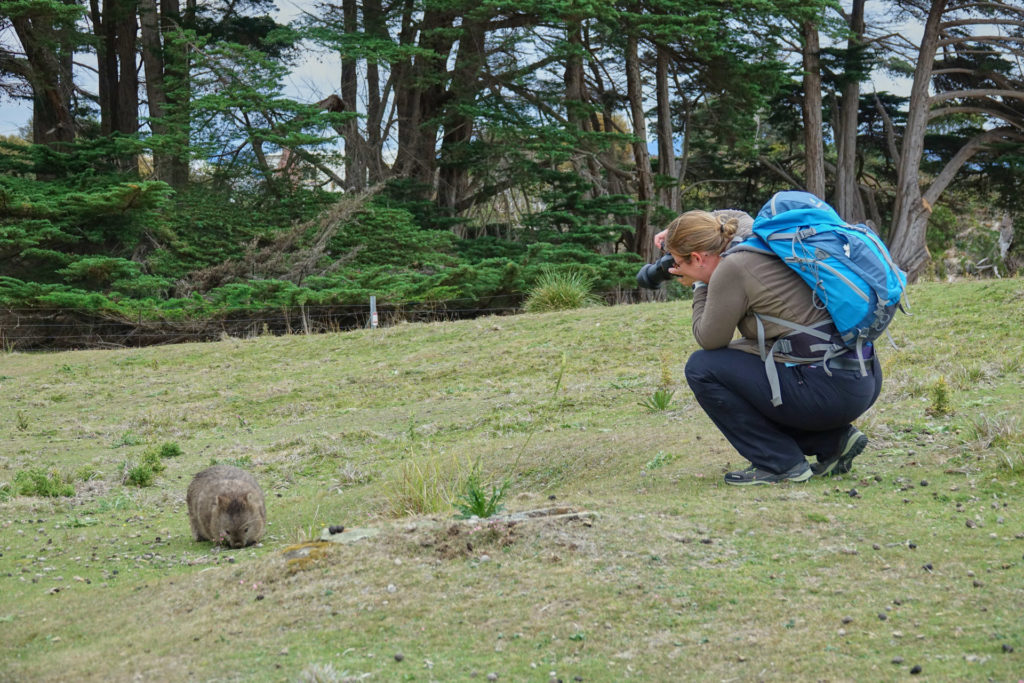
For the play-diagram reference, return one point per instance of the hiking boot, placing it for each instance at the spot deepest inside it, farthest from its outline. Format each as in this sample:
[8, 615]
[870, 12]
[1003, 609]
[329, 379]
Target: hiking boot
[755, 475]
[851, 445]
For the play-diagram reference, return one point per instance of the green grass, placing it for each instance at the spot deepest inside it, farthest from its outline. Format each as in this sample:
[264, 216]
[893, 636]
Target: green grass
[678, 577]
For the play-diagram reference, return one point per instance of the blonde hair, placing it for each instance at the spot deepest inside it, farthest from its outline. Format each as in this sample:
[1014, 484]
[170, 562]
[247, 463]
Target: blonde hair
[700, 231]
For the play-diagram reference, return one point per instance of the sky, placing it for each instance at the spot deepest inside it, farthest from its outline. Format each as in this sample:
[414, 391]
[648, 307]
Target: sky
[318, 75]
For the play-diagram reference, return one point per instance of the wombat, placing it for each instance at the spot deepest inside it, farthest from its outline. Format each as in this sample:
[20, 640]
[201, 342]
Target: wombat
[225, 505]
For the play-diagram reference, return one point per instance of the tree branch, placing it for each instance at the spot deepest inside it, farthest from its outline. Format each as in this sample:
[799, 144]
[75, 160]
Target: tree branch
[890, 131]
[1017, 122]
[975, 144]
[982, 93]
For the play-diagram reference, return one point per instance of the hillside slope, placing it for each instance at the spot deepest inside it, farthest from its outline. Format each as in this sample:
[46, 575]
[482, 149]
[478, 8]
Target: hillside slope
[912, 559]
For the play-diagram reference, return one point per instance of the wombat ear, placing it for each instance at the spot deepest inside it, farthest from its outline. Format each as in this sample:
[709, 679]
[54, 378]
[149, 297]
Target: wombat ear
[222, 501]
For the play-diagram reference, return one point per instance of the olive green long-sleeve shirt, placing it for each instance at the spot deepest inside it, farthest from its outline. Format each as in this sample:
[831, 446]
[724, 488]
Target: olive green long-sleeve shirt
[745, 282]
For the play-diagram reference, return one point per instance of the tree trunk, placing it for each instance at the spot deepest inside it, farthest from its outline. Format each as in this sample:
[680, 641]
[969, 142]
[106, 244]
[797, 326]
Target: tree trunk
[166, 69]
[115, 28]
[577, 106]
[847, 201]
[355, 164]
[420, 93]
[643, 238]
[910, 212]
[48, 51]
[373, 23]
[453, 175]
[814, 146]
[669, 193]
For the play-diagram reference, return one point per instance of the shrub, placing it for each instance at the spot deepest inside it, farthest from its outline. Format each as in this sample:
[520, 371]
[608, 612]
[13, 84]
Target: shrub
[144, 472]
[169, 450]
[39, 482]
[140, 475]
[560, 290]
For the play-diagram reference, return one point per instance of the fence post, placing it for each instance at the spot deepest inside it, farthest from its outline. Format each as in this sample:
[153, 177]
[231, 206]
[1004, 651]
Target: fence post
[373, 312]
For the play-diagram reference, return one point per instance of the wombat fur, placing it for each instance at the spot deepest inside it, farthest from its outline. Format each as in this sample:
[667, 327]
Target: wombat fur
[225, 505]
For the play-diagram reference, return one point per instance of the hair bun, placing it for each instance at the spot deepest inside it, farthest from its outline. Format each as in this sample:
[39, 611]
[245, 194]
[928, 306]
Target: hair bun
[727, 227]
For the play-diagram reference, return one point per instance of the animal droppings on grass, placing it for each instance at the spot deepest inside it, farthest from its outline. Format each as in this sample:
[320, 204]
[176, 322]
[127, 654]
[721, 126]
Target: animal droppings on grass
[916, 670]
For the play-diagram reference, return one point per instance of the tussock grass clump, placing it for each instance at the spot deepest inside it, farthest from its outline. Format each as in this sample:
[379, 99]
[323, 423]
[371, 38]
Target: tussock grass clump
[561, 290]
[424, 486]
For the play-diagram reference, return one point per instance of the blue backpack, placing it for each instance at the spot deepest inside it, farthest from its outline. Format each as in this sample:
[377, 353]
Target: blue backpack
[850, 273]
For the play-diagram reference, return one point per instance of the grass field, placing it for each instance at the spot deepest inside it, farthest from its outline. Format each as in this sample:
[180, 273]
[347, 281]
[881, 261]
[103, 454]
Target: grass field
[911, 563]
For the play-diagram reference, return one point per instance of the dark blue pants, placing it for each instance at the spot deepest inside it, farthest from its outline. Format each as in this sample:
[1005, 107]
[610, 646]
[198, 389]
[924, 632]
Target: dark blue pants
[732, 388]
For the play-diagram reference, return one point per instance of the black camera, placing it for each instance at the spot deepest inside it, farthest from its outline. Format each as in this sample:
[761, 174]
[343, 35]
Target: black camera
[651, 275]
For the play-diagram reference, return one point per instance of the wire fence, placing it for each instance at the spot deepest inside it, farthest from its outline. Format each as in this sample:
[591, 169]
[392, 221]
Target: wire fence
[57, 329]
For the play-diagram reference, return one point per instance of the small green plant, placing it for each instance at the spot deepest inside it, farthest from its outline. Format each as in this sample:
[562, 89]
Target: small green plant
[561, 290]
[658, 401]
[38, 482]
[939, 392]
[169, 450]
[660, 459]
[127, 439]
[476, 501]
[21, 421]
[141, 475]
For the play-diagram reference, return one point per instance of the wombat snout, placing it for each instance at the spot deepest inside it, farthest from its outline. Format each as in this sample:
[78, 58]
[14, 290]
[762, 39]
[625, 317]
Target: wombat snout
[225, 505]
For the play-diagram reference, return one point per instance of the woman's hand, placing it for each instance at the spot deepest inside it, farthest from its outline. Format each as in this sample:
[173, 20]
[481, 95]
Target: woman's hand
[659, 240]
[685, 279]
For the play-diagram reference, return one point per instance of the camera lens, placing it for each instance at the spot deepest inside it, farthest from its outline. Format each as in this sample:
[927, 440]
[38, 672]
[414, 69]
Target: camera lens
[651, 275]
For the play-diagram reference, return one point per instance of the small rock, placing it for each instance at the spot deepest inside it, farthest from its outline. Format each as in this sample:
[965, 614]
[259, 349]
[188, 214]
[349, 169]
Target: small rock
[924, 482]
[916, 670]
[971, 524]
[847, 620]
[392, 588]
[1007, 647]
[492, 676]
[883, 616]
[399, 656]
[897, 660]
[841, 632]
[977, 584]
[875, 546]
[284, 651]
